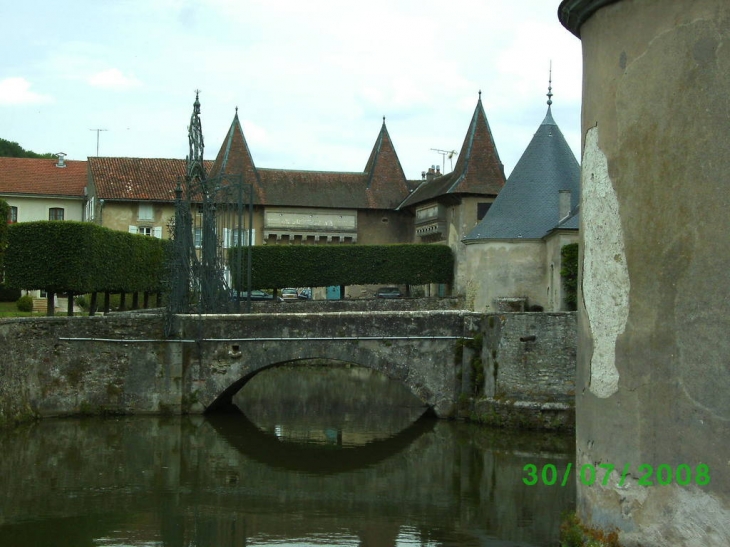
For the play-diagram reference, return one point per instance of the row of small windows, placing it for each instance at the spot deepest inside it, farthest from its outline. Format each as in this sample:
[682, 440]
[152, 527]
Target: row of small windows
[54, 213]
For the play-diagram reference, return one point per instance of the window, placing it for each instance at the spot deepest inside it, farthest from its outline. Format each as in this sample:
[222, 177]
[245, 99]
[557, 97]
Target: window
[155, 231]
[90, 212]
[231, 237]
[198, 237]
[13, 215]
[482, 209]
[55, 213]
[145, 212]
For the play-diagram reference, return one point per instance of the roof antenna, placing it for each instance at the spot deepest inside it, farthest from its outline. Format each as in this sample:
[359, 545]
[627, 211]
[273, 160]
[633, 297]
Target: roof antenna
[97, 139]
[550, 86]
[444, 153]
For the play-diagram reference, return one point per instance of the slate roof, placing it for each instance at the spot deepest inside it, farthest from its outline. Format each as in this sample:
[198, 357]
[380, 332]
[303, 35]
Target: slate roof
[478, 169]
[528, 205]
[137, 179]
[40, 176]
[382, 185]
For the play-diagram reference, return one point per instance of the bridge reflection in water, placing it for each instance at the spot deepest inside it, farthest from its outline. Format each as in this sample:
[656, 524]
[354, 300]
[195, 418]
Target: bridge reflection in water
[220, 481]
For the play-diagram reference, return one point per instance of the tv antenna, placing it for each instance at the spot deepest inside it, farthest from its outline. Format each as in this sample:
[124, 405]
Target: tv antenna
[97, 139]
[444, 154]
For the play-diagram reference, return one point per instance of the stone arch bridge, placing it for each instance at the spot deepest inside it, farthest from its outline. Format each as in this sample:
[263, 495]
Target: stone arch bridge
[123, 364]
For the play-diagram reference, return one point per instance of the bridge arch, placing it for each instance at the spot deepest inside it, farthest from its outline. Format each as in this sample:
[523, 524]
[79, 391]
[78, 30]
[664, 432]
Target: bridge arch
[233, 371]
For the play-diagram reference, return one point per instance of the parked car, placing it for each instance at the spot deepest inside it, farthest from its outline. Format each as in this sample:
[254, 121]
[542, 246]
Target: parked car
[305, 294]
[388, 292]
[255, 295]
[289, 295]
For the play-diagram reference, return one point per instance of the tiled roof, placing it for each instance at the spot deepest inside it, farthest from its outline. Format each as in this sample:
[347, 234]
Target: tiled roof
[36, 176]
[137, 179]
[528, 205]
[381, 186]
[478, 169]
[234, 158]
[386, 181]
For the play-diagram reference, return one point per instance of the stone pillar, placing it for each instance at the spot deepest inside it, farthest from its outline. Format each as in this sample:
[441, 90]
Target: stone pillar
[653, 381]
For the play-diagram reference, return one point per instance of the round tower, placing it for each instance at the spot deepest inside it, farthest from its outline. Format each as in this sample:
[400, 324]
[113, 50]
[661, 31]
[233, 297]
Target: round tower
[653, 379]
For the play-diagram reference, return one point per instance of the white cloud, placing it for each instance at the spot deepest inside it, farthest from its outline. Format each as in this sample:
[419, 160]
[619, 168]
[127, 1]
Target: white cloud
[17, 91]
[113, 78]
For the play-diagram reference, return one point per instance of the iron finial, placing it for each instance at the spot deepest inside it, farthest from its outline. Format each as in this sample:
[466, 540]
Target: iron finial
[550, 85]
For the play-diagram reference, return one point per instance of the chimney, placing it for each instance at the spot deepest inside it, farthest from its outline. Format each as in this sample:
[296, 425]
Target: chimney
[564, 204]
[431, 174]
[61, 156]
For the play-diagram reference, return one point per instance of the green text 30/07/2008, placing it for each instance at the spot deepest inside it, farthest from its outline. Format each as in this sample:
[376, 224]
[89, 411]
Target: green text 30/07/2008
[683, 475]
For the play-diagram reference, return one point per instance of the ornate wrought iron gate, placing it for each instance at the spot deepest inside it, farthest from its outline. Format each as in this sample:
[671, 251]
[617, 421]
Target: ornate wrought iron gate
[212, 236]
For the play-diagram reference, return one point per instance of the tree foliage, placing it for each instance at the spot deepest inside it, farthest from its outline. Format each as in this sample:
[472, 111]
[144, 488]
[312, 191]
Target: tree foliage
[11, 149]
[277, 266]
[569, 273]
[80, 257]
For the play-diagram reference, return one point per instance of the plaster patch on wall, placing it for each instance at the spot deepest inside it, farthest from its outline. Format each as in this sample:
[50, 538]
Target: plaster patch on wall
[605, 275]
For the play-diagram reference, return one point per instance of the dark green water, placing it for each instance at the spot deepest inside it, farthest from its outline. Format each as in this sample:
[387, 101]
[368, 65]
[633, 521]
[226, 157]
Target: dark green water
[320, 459]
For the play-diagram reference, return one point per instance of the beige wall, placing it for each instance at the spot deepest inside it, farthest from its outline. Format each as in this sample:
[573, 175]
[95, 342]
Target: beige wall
[496, 269]
[36, 208]
[384, 227]
[120, 215]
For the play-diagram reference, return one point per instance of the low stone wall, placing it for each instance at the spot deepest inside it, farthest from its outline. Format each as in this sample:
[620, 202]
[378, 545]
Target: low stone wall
[358, 304]
[528, 362]
[41, 375]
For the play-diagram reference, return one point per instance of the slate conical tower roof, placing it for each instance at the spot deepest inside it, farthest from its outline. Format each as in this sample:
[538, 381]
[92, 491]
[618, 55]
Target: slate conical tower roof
[234, 158]
[478, 170]
[528, 205]
[386, 181]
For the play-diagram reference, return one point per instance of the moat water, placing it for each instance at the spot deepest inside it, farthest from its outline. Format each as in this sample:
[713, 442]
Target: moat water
[317, 457]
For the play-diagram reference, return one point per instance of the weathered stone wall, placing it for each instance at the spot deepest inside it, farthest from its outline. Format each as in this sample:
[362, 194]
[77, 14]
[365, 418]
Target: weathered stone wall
[530, 356]
[529, 371]
[359, 304]
[41, 375]
[127, 366]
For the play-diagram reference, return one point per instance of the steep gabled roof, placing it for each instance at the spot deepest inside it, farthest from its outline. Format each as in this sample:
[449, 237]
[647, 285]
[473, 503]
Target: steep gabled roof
[381, 186]
[386, 181]
[478, 169]
[234, 158]
[137, 179]
[41, 177]
[528, 205]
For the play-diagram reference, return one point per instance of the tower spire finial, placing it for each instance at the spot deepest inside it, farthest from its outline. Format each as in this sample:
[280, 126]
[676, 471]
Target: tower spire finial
[550, 86]
[480, 94]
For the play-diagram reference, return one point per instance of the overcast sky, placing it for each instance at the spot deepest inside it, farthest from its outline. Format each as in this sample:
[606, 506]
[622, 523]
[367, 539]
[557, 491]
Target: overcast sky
[311, 79]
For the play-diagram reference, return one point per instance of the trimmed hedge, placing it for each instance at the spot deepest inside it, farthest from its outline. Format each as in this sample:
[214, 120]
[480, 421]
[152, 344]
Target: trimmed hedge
[569, 273]
[62, 256]
[278, 266]
[4, 215]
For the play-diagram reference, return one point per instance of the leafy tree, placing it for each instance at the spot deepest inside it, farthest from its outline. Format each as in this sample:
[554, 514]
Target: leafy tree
[569, 273]
[11, 149]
